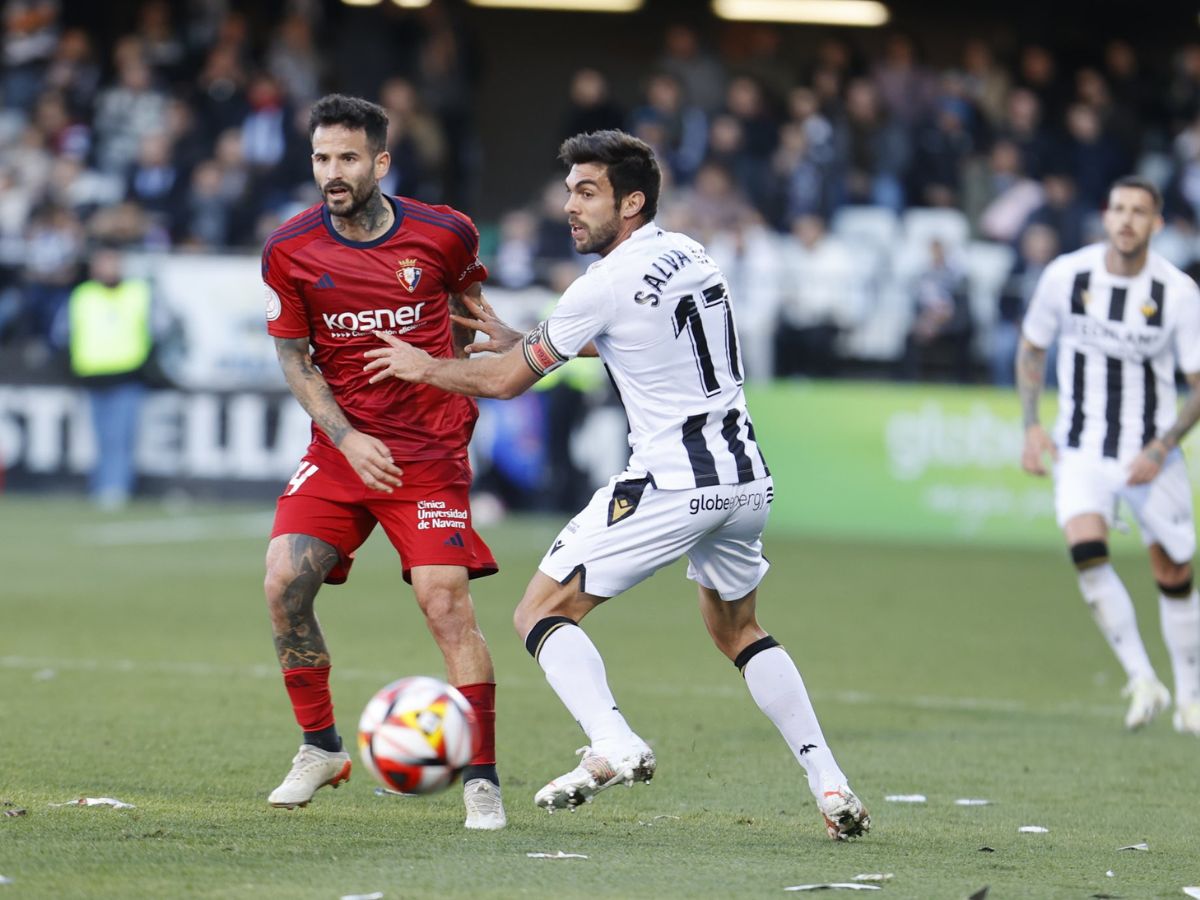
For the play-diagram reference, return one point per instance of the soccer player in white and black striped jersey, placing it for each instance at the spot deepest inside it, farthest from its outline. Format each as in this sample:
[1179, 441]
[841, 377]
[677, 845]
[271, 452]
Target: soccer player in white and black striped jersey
[1126, 320]
[657, 311]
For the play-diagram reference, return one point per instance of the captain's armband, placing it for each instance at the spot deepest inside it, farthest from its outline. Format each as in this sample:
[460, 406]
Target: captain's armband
[540, 354]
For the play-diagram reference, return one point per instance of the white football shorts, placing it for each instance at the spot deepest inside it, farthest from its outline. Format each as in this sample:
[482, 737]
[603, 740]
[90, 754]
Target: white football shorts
[1163, 508]
[630, 529]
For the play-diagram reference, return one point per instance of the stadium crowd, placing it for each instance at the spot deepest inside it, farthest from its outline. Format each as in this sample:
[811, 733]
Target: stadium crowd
[875, 211]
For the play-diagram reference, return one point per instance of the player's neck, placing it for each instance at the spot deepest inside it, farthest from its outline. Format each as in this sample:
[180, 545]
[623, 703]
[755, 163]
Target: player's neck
[1125, 265]
[368, 223]
[628, 227]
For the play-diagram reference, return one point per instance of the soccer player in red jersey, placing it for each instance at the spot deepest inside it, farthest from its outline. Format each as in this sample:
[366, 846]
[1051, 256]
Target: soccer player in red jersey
[392, 453]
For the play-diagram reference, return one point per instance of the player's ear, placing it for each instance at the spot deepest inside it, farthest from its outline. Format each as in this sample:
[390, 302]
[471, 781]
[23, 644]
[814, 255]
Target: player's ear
[632, 204]
[383, 162]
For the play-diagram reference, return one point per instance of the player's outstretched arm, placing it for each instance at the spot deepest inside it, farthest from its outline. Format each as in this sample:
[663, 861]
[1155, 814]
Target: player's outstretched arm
[369, 456]
[502, 377]
[1147, 464]
[470, 312]
[1031, 375]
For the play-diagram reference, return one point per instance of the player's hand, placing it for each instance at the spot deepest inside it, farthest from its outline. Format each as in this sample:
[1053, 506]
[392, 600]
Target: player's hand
[1037, 446]
[372, 461]
[1147, 464]
[397, 360]
[503, 337]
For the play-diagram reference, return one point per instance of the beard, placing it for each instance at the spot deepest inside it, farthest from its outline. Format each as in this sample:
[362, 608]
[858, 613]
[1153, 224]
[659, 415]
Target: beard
[600, 237]
[353, 203]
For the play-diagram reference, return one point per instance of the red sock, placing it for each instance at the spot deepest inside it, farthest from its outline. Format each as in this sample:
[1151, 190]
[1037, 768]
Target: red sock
[308, 689]
[482, 698]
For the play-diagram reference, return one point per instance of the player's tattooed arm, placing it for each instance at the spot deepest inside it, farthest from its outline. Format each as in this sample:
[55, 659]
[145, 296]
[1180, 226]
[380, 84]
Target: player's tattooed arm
[1031, 375]
[310, 388]
[299, 642]
[1189, 414]
[369, 456]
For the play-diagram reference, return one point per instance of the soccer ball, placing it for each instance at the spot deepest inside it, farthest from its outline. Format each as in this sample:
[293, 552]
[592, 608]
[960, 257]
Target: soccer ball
[417, 734]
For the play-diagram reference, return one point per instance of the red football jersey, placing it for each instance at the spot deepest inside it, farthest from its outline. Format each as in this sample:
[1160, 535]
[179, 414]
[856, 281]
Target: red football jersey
[338, 292]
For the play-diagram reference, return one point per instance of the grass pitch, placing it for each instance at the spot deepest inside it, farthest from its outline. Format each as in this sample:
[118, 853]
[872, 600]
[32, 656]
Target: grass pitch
[136, 663]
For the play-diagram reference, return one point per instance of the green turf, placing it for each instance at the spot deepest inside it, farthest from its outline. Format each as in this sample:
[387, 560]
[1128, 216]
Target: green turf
[136, 663]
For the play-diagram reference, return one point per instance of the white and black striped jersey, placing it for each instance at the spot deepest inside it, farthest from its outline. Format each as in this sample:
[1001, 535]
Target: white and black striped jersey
[1120, 342]
[660, 314]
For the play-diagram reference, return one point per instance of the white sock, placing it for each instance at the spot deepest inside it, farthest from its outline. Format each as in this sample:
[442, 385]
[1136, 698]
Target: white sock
[1180, 618]
[777, 688]
[1113, 611]
[576, 672]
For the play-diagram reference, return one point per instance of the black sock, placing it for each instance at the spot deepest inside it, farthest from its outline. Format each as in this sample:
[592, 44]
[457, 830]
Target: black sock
[487, 772]
[327, 739]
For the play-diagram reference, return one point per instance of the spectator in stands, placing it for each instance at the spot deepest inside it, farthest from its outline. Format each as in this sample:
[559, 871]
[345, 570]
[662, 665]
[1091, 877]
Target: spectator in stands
[683, 125]
[1094, 156]
[700, 73]
[1061, 210]
[53, 252]
[293, 61]
[998, 196]
[872, 151]
[156, 183]
[817, 299]
[748, 253]
[746, 104]
[987, 83]
[1023, 126]
[516, 263]
[416, 143]
[74, 72]
[126, 113]
[30, 36]
[941, 149]
[907, 89]
[939, 339]
[205, 222]
[1037, 247]
[591, 107]
[110, 343]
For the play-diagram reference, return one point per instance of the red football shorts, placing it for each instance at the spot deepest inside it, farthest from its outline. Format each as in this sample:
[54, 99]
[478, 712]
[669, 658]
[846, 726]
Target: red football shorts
[427, 519]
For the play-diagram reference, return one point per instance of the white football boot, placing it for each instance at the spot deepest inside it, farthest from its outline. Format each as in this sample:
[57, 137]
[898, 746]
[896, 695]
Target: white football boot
[485, 809]
[312, 769]
[1147, 698]
[595, 773]
[1187, 719]
[845, 816]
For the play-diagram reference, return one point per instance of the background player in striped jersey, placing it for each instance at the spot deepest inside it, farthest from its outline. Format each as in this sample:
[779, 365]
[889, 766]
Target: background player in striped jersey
[657, 311]
[1125, 319]
[390, 453]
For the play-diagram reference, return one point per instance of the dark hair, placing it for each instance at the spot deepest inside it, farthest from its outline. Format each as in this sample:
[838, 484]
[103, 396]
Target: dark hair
[630, 163]
[353, 113]
[1142, 184]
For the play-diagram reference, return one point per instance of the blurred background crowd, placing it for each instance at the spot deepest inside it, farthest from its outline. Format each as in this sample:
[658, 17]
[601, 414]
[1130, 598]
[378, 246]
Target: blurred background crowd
[881, 207]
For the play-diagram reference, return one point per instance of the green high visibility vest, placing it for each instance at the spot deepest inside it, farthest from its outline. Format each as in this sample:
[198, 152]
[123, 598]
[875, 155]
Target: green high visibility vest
[110, 327]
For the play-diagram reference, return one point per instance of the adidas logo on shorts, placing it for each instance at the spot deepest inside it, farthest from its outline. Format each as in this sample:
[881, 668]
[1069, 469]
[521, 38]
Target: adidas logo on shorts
[455, 540]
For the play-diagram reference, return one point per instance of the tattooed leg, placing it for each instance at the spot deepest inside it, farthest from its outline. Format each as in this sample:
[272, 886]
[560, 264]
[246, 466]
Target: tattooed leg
[296, 567]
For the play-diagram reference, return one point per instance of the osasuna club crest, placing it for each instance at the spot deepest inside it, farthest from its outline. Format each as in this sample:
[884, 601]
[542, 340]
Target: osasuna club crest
[408, 273]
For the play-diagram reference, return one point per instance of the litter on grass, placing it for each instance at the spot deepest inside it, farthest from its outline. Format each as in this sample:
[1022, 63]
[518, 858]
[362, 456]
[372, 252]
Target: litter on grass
[972, 801]
[97, 801]
[657, 819]
[1033, 829]
[558, 855]
[1110, 874]
[875, 876]
[1142, 846]
[374, 895]
[834, 886]
[4, 880]
[905, 798]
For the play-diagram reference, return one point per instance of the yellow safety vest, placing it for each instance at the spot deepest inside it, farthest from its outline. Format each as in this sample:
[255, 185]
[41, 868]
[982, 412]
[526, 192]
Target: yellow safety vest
[110, 327]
